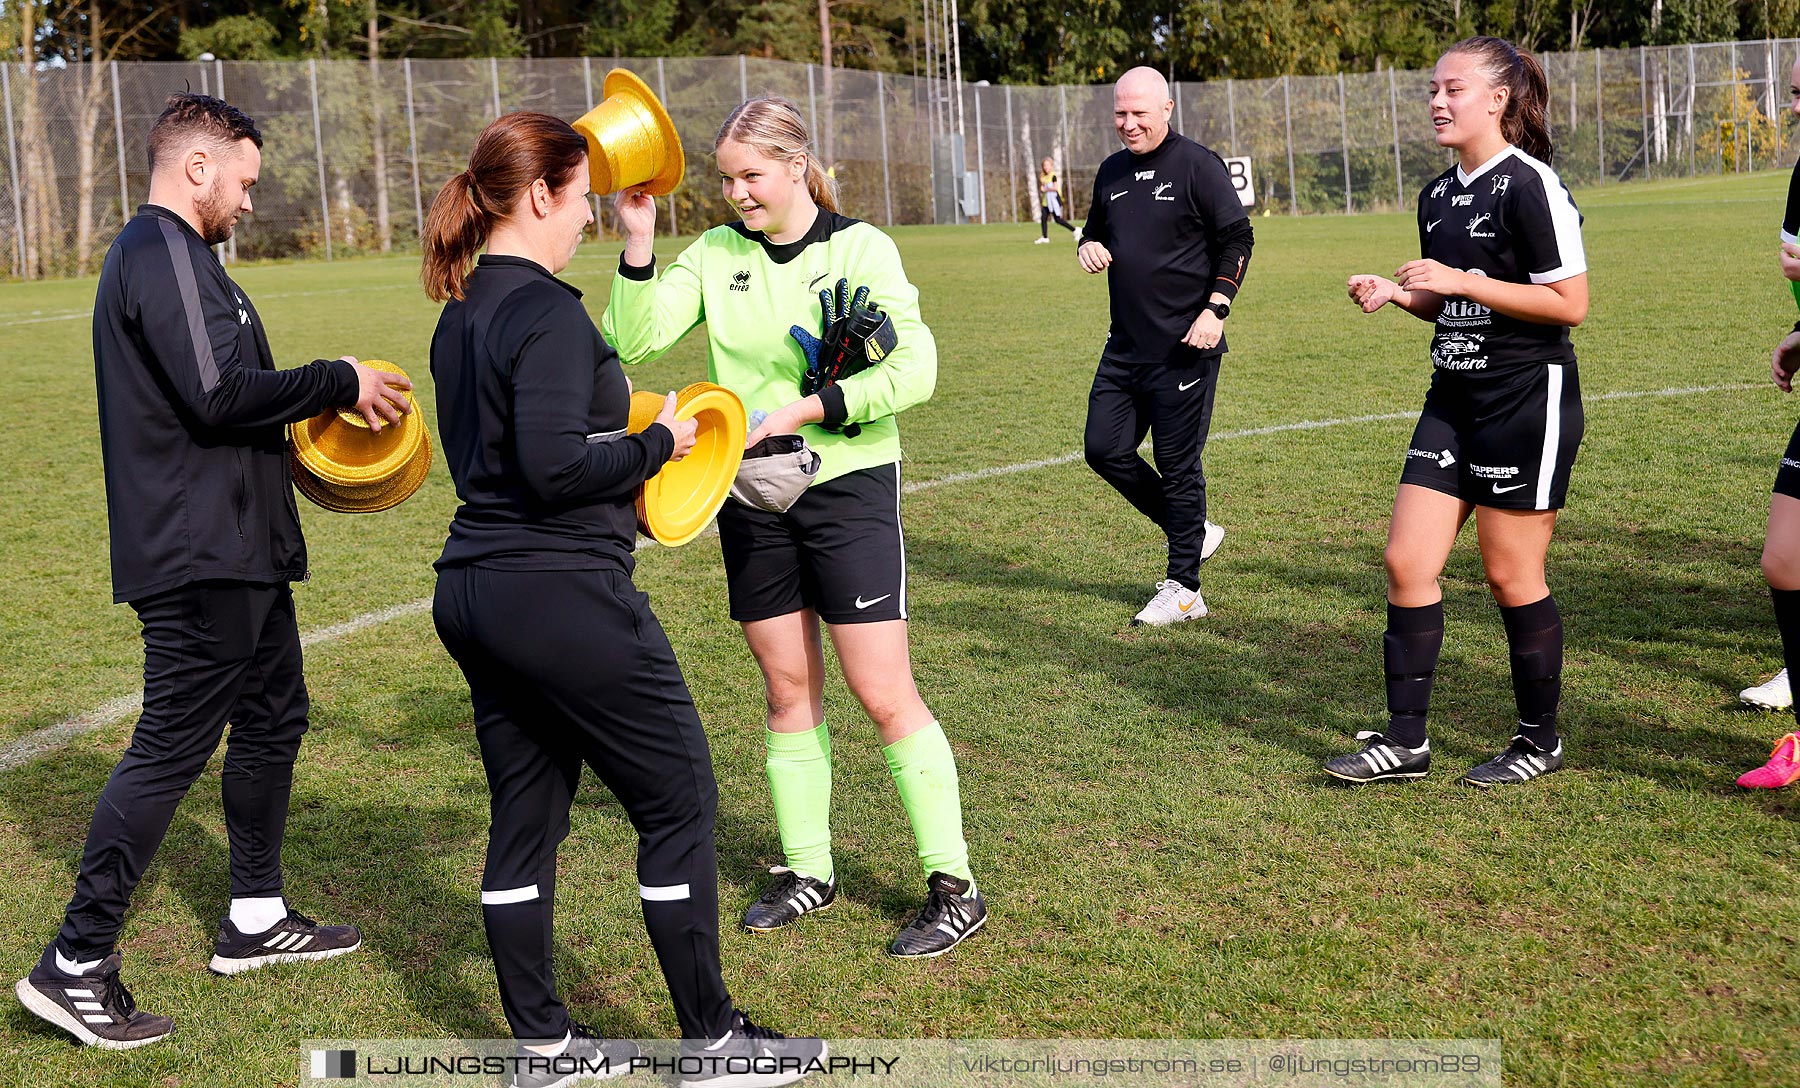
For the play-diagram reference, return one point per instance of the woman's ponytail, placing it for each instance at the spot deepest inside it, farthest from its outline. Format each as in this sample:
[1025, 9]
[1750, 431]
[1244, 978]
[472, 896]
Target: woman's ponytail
[510, 154]
[822, 186]
[1526, 122]
[455, 230]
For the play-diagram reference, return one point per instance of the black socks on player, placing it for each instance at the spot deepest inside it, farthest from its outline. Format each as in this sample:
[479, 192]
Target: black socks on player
[1534, 638]
[1409, 652]
[1787, 618]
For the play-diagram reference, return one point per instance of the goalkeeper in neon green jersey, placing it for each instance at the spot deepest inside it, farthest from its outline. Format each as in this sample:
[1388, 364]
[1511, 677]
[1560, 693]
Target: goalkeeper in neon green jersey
[836, 555]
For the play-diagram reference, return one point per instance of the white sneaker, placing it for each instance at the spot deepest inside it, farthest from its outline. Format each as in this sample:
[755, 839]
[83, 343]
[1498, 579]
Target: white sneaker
[1078, 236]
[1209, 543]
[1172, 604]
[1773, 695]
[1040, 241]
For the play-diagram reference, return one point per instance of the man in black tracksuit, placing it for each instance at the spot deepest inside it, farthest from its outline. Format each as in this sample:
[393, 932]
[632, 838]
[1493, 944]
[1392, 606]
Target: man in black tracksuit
[1168, 229]
[205, 539]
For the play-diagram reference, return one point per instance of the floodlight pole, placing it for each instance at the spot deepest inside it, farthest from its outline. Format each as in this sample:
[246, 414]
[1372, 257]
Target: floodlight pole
[312, 75]
[1394, 116]
[1344, 138]
[587, 83]
[662, 90]
[119, 143]
[12, 162]
[887, 189]
[230, 244]
[412, 146]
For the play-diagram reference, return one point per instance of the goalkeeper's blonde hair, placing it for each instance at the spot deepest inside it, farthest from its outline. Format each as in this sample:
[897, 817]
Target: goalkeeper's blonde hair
[772, 127]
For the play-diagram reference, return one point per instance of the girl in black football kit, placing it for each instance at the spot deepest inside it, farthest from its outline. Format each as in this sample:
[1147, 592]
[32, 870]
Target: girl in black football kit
[565, 662]
[1781, 542]
[1503, 277]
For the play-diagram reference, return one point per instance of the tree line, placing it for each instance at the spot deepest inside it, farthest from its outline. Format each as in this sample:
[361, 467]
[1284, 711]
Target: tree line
[1011, 41]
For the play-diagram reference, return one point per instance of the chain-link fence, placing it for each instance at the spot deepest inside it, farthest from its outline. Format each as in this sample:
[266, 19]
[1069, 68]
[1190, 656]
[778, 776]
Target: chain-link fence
[355, 150]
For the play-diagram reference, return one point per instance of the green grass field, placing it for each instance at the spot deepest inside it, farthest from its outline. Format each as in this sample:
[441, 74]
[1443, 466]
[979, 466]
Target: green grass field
[1162, 856]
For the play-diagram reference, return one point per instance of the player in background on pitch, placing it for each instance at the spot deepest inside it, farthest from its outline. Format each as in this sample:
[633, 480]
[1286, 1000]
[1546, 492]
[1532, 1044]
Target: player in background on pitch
[1503, 277]
[1166, 227]
[1050, 196]
[1781, 544]
[837, 555]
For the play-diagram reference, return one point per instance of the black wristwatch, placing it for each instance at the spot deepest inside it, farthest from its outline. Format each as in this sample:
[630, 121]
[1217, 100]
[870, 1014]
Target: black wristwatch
[1223, 309]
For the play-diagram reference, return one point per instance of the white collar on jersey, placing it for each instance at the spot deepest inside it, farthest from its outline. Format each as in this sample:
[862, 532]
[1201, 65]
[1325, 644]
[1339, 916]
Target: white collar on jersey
[1464, 179]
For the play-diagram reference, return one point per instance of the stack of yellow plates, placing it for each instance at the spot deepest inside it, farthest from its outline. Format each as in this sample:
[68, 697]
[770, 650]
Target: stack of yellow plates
[338, 462]
[675, 504]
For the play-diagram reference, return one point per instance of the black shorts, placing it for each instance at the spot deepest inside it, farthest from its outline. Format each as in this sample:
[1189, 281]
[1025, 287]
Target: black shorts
[1787, 477]
[1505, 441]
[839, 551]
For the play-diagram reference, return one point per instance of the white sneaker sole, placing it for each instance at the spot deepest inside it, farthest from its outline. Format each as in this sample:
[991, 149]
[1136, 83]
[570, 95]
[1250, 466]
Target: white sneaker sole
[1752, 699]
[974, 929]
[48, 1010]
[220, 965]
[1378, 778]
[1209, 542]
[1197, 612]
[753, 1080]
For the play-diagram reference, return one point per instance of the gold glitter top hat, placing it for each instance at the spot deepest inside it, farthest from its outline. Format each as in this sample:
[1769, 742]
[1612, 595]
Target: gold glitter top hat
[676, 503]
[340, 464]
[631, 140]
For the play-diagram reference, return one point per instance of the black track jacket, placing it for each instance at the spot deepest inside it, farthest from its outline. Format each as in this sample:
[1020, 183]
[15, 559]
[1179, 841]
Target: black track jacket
[533, 408]
[1177, 233]
[192, 411]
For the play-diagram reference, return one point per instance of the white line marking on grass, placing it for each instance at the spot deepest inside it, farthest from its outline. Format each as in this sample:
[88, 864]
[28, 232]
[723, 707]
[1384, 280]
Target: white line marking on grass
[44, 741]
[75, 315]
[50, 738]
[41, 320]
[1279, 428]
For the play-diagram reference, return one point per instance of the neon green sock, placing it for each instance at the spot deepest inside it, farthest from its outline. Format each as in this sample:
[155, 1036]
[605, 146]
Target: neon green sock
[924, 771]
[799, 767]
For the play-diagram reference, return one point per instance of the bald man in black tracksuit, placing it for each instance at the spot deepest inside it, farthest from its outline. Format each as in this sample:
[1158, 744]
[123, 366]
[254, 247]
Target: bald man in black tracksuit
[1167, 228]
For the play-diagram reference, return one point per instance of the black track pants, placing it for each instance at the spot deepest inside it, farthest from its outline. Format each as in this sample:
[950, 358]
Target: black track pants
[214, 653]
[566, 668]
[1174, 405]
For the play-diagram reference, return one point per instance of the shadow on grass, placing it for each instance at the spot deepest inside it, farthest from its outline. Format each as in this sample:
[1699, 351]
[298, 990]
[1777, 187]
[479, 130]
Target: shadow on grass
[1624, 596]
[371, 864]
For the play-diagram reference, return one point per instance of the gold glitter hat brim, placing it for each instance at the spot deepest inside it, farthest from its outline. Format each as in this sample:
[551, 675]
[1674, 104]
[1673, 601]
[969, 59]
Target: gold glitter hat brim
[364, 498]
[339, 447]
[631, 139]
[677, 503]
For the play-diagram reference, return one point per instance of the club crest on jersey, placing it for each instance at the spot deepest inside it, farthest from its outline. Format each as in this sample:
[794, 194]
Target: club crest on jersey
[740, 281]
[1146, 175]
[1440, 188]
[1462, 200]
[1158, 192]
[1500, 183]
[1477, 223]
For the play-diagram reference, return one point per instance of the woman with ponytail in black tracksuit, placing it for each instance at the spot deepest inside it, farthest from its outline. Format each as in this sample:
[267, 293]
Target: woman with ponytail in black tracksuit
[565, 662]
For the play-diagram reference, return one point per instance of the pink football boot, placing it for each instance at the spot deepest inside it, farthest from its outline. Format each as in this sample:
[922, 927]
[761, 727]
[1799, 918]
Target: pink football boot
[1782, 769]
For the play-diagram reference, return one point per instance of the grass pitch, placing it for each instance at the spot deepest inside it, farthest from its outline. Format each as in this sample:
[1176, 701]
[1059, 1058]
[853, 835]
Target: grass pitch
[1162, 855]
